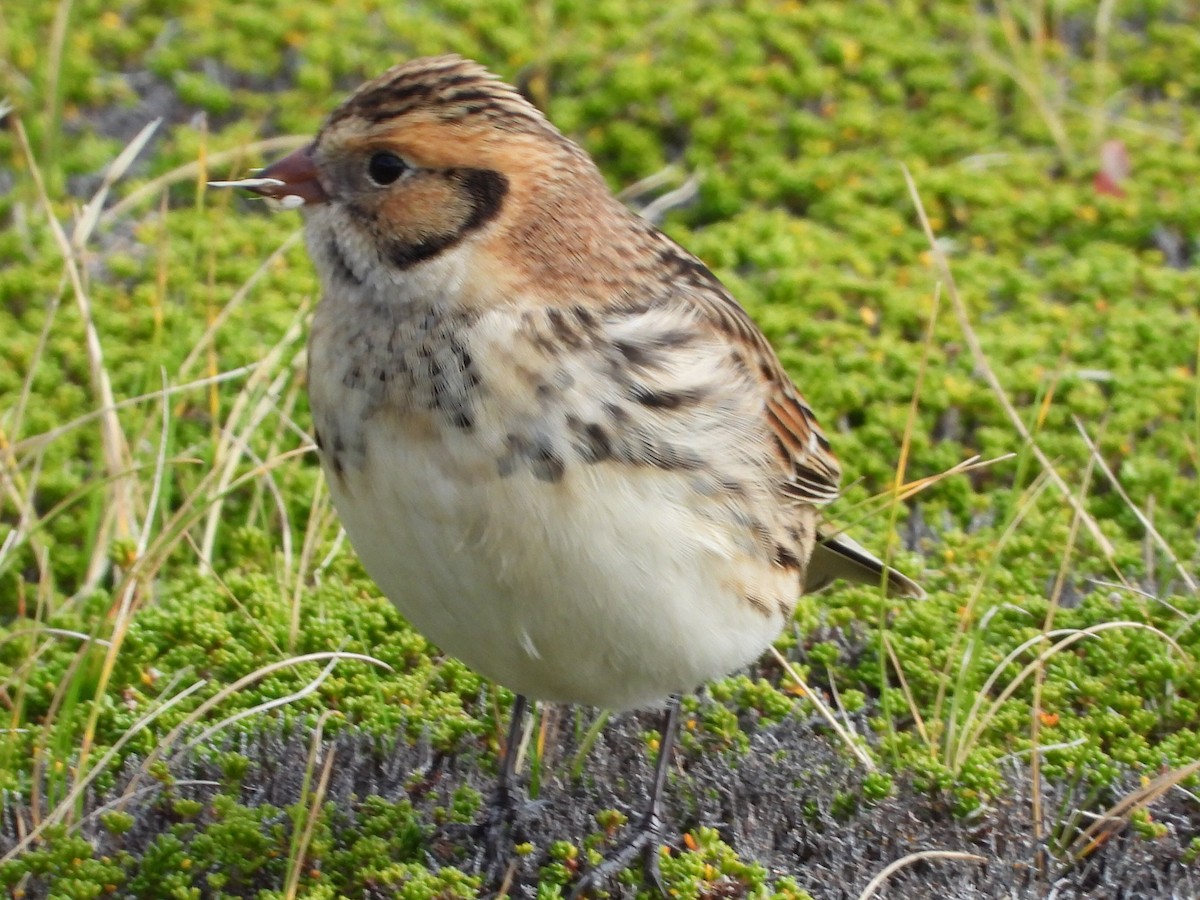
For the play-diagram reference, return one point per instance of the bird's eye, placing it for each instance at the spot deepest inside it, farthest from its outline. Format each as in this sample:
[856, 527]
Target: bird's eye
[384, 167]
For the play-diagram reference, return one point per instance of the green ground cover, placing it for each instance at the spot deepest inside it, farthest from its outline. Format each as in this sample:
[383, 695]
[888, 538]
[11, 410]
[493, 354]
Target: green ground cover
[172, 584]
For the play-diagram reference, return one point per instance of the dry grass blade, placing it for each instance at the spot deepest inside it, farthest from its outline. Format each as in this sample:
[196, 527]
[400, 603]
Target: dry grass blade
[957, 651]
[67, 805]
[335, 550]
[320, 517]
[120, 514]
[668, 174]
[38, 628]
[54, 59]
[981, 362]
[160, 466]
[875, 505]
[90, 216]
[877, 882]
[657, 210]
[1157, 538]
[231, 449]
[910, 424]
[1072, 636]
[302, 840]
[912, 488]
[918, 720]
[826, 712]
[42, 767]
[120, 628]
[1117, 816]
[1032, 85]
[99, 811]
[522, 748]
[36, 442]
[1039, 677]
[190, 171]
[19, 676]
[254, 402]
[21, 492]
[193, 507]
[16, 422]
[205, 341]
[306, 691]
[507, 881]
[168, 741]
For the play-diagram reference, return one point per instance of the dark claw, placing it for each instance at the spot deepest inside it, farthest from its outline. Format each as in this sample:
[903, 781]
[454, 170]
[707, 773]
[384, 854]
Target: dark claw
[491, 837]
[493, 834]
[646, 841]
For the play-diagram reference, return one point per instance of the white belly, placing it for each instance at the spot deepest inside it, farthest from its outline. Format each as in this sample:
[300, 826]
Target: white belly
[608, 587]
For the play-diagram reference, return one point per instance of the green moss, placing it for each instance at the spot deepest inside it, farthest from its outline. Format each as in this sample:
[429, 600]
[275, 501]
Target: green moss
[876, 787]
[709, 864]
[117, 822]
[795, 117]
[68, 860]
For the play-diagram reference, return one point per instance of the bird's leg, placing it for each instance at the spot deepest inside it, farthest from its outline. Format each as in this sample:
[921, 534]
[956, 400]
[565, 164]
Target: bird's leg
[646, 839]
[500, 807]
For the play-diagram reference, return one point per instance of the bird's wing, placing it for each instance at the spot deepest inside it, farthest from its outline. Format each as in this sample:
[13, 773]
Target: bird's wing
[809, 468]
[838, 555]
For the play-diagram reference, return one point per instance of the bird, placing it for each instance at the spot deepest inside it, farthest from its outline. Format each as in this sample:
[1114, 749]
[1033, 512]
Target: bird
[556, 441]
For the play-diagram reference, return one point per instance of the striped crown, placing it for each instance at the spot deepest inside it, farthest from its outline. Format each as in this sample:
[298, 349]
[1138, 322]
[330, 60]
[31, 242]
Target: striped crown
[450, 87]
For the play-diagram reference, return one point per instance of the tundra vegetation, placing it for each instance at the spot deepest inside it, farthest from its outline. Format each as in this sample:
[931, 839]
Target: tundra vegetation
[970, 230]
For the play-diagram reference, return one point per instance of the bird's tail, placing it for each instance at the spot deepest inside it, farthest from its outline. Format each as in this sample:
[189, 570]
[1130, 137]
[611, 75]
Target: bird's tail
[840, 556]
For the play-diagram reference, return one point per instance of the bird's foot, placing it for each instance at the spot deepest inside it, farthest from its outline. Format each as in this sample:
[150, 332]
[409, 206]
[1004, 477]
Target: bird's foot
[493, 836]
[645, 841]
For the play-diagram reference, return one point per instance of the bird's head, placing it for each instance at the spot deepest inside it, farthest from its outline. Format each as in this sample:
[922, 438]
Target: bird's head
[433, 154]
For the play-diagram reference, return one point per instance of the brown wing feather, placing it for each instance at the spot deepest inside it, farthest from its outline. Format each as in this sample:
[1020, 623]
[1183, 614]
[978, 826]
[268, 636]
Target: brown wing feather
[810, 469]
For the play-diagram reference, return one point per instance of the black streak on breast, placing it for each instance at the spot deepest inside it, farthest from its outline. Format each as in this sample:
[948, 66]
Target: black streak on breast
[591, 440]
[538, 453]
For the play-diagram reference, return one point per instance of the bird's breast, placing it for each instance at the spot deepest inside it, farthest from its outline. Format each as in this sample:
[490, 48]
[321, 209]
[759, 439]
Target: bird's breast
[537, 511]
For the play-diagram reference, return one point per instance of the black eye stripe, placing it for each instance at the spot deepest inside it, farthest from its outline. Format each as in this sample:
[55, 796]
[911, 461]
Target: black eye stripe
[385, 167]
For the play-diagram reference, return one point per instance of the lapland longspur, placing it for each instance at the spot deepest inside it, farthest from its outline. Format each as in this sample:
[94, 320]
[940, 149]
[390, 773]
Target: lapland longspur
[554, 438]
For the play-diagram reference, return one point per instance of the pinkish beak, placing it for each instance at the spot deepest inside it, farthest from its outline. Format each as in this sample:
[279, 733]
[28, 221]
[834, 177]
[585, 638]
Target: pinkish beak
[295, 176]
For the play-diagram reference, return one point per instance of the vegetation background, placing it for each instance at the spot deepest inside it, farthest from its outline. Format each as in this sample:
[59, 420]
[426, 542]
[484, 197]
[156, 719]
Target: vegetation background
[202, 694]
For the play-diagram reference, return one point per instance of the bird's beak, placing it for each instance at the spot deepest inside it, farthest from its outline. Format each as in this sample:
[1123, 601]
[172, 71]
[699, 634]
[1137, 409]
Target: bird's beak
[292, 181]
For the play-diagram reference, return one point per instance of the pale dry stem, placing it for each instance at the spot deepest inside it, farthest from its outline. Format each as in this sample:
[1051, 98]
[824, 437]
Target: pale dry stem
[846, 737]
[876, 883]
[981, 362]
[121, 516]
